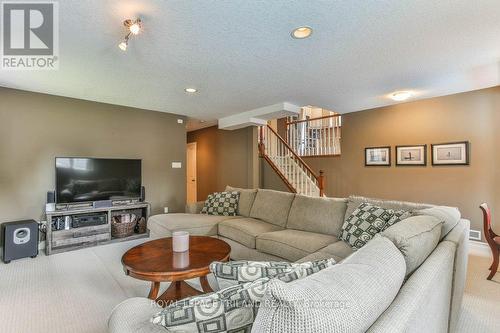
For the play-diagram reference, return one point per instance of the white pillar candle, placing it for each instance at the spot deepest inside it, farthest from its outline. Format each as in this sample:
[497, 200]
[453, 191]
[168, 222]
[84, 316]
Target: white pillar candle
[181, 259]
[180, 241]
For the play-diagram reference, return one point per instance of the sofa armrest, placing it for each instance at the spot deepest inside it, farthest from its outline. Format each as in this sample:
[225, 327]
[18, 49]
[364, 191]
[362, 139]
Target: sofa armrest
[423, 302]
[133, 316]
[194, 207]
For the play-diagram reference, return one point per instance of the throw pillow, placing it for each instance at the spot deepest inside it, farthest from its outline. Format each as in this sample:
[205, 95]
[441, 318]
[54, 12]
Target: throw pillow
[232, 309]
[366, 221]
[245, 202]
[449, 215]
[397, 216]
[221, 203]
[416, 237]
[238, 272]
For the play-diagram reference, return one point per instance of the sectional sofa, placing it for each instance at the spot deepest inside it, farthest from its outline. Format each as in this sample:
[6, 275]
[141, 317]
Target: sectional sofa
[272, 225]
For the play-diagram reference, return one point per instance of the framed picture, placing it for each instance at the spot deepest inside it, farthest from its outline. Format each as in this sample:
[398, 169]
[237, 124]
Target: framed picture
[378, 156]
[411, 155]
[454, 153]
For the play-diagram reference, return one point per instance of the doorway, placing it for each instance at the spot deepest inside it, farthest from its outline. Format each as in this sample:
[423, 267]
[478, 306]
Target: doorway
[191, 185]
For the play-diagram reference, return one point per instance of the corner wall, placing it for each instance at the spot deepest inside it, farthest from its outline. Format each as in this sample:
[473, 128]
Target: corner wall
[472, 116]
[225, 158]
[36, 128]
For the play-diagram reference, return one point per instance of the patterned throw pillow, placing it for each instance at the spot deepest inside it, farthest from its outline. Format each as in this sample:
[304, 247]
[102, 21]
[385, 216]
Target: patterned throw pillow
[221, 203]
[399, 215]
[238, 272]
[366, 221]
[232, 309]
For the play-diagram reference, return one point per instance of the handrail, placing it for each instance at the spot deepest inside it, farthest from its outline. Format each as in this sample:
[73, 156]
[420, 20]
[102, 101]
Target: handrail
[312, 119]
[318, 180]
[293, 152]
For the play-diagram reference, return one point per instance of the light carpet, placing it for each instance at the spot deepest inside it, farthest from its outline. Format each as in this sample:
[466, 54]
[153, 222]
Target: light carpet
[67, 292]
[76, 291]
[481, 302]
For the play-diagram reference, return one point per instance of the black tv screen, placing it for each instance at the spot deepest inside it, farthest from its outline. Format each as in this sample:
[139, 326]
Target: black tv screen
[94, 179]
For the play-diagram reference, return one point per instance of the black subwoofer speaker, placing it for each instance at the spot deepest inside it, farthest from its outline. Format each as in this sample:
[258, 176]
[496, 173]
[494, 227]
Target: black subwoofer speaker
[20, 240]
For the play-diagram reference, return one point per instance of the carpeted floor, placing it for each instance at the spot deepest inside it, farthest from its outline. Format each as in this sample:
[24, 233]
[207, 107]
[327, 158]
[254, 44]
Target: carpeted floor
[76, 291]
[481, 302]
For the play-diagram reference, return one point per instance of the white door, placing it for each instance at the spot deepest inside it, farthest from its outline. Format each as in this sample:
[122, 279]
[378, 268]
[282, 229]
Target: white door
[191, 172]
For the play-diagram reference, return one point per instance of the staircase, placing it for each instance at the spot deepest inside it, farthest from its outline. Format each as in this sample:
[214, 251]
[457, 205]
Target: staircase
[315, 136]
[295, 173]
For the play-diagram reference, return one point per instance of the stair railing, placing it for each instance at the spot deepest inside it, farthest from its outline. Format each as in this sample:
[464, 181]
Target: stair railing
[315, 136]
[295, 173]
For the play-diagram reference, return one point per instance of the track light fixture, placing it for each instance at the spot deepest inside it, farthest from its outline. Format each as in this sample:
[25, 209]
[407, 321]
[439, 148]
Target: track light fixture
[133, 28]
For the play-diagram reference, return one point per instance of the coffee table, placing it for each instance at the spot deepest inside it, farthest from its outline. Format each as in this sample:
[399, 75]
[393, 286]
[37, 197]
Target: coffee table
[156, 262]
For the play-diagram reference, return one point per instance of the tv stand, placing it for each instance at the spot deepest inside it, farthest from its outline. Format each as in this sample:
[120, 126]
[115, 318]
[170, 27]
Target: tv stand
[76, 238]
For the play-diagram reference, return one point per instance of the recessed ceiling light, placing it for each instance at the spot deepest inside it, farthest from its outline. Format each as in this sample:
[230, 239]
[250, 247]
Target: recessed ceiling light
[302, 32]
[400, 96]
[191, 90]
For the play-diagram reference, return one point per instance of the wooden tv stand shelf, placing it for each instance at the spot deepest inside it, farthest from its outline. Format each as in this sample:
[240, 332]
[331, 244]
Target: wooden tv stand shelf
[76, 238]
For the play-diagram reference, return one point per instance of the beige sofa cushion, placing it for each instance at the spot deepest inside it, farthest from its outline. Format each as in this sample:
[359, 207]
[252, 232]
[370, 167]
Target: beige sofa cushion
[241, 252]
[272, 206]
[340, 250]
[244, 230]
[354, 201]
[416, 237]
[317, 256]
[163, 225]
[321, 215]
[449, 215]
[247, 197]
[337, 250]
[292, 244]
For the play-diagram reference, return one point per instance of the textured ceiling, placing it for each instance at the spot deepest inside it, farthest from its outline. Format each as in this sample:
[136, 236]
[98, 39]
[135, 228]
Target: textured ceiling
[240, 56]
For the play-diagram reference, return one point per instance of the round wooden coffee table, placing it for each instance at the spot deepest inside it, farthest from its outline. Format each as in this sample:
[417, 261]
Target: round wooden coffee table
[156, 262]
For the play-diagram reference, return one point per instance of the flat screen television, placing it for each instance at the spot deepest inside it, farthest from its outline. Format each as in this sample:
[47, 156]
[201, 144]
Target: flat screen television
[95, 179]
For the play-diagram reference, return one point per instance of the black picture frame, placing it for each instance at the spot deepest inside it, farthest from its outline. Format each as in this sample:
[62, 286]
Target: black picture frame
[424, 154]
[388, 163]
[462, 161]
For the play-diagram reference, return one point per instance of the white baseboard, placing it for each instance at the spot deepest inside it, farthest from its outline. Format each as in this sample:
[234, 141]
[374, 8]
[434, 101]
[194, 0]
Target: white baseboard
[479, 249]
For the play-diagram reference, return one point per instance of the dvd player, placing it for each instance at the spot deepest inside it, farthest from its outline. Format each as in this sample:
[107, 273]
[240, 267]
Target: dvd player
[87, 220]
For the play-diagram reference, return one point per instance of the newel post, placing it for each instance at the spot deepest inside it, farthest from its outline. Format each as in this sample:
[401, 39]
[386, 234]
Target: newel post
[261, 141]
[321, 183]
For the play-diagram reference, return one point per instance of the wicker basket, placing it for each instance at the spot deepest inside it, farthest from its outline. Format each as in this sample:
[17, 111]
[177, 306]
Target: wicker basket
[140, 228]
[122, 229]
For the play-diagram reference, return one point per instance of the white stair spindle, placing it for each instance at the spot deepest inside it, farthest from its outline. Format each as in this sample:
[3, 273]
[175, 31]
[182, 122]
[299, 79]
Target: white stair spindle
[329, 141]
[322, 142]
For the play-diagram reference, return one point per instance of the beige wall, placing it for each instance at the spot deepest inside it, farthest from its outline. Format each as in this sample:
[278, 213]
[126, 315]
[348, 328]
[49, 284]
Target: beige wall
[224, 158]
[270, 179]
[472, 116]
[35, 128]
